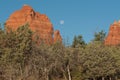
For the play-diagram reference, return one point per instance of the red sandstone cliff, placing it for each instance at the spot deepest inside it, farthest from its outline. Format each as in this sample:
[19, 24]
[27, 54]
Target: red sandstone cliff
[39, 23]
[113, 37]
[57, 36]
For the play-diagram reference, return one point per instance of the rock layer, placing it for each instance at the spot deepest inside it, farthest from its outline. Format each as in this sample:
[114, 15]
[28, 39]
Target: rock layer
[113, 37]
[39, 23]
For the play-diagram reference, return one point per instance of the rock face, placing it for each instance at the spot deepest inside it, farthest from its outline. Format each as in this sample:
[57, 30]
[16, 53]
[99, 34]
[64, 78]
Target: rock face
[57, 36]
[39, 23]
[113, 37]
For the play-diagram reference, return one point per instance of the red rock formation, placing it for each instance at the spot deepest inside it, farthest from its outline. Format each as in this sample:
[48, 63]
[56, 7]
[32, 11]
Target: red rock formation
[39, 23]
[57, 36]
[113, 37]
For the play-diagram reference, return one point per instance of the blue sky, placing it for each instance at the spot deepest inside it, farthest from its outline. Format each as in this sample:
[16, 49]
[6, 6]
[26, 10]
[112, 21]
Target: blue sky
[83, 17]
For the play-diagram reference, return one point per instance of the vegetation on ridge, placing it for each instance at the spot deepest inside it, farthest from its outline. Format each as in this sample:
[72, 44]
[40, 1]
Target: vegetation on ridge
[22, 58]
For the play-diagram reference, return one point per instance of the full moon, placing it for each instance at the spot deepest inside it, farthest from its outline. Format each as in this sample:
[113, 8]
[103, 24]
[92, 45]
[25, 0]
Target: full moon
[61, 22]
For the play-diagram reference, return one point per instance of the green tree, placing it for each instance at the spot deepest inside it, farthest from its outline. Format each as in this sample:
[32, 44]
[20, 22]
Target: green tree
[78, 42]
[15, 49]
[99, 36]
[97, 61]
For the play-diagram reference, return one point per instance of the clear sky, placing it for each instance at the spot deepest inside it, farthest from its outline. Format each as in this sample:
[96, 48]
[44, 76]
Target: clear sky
[71, 17]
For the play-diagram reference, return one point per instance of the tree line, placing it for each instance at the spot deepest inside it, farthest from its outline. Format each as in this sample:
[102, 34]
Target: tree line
[23, 58]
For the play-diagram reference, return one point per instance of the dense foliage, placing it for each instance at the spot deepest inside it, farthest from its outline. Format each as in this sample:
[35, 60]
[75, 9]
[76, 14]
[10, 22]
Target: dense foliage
[23, 58]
